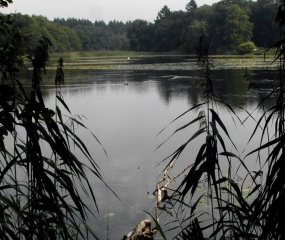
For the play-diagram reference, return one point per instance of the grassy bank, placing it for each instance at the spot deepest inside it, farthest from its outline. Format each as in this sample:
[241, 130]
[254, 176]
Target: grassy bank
[119, 54]
[129, 60]
[101, 54]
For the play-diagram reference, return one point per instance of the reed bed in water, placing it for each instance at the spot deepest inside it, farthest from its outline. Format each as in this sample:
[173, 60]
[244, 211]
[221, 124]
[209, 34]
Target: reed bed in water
[213, 199]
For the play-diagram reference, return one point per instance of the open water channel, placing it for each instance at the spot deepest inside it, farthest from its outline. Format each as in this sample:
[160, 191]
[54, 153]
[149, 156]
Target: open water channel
[128, 104]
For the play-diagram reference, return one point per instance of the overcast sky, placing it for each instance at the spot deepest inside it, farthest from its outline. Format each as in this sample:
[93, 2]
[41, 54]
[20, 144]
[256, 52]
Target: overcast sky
[106, 10]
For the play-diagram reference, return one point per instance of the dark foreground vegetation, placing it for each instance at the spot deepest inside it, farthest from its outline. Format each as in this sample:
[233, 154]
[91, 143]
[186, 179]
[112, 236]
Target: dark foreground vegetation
[41, 191]
[42, 181]
[237, 26]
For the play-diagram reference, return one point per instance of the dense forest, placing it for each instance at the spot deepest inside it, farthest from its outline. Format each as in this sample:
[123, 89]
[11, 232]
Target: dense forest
[232, 26]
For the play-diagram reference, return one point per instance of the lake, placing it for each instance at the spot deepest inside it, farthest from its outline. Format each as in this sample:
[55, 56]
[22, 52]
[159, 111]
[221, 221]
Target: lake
[127, 104]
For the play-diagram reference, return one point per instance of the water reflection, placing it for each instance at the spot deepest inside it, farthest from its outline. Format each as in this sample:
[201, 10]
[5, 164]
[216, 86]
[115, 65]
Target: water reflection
[231, 85]
[126, 119]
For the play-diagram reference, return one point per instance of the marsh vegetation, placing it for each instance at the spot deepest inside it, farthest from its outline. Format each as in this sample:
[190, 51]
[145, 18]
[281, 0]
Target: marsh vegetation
[209, 164]
[155, 95]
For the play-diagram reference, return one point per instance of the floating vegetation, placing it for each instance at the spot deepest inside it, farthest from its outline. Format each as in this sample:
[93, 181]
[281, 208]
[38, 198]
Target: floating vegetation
[109, 215]
[136, 62]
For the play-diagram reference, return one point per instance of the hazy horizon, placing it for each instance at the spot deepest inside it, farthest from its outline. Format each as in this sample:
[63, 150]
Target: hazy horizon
[107, 10]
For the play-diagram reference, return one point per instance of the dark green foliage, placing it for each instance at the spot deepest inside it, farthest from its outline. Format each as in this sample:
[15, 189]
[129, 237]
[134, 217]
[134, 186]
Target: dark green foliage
[71, 34]
[140, 35]
[191, 6]
[164, 13]
[226, 23]
[262, 16]
[247, 47]
[98, 35]
[236, 29]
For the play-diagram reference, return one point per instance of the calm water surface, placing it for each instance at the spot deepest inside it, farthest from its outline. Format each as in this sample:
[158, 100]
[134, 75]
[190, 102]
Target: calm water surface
[127, 119]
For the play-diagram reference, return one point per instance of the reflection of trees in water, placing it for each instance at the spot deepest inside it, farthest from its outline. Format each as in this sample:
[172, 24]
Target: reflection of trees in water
[231, 85]
[172, 85]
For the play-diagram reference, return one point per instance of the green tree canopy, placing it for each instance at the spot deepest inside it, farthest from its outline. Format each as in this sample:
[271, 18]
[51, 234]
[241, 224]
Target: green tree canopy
[192, 5]
[237, 27]
[230, 26]
[227, 23]
[164, 13]
[140, 35]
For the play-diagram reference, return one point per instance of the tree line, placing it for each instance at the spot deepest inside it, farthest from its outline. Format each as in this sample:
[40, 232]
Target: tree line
[232, 26]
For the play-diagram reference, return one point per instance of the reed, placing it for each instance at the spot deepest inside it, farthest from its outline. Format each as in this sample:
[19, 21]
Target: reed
[230, 211]
[42, 181]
